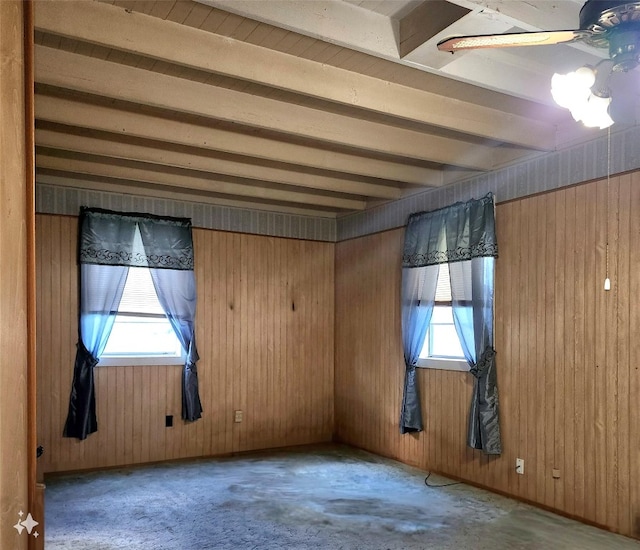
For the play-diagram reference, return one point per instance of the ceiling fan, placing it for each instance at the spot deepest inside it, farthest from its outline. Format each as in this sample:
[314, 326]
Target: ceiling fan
[603, 23]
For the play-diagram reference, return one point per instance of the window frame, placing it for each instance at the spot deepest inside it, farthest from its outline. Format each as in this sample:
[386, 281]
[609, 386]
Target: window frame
[141, 361]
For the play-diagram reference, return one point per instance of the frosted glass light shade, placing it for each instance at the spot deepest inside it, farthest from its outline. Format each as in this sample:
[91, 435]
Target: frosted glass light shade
[596, 112]
[567, 89]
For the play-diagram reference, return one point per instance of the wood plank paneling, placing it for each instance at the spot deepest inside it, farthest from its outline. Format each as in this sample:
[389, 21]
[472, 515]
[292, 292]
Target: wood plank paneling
[259, 354]
[634, 369]
[566, 356]
[15, 454]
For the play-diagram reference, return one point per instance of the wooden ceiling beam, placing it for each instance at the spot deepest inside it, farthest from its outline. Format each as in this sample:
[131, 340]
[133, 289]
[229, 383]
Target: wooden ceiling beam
[89, 75]
[160, 156]
[114, 27]
[190, 181]
[107, 119]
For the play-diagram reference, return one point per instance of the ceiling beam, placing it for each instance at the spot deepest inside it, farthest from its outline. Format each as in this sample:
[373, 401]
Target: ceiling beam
[188, 181]
[527, 15]
[76, 72]
[129, 151]
[141, 34]
[425, 21]
[333, 21]
[122, 188]
[107, 119]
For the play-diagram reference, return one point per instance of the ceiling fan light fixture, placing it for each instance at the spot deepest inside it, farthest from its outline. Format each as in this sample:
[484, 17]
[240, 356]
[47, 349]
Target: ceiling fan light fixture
[585, 94]
[575, 87]
[602, 23]
[595, 113]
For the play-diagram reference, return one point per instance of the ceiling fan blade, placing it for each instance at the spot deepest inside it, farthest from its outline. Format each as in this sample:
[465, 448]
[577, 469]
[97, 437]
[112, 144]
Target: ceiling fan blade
[510, 40]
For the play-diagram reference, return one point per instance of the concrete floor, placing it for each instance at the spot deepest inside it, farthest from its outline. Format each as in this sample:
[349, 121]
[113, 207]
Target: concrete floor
[329, 497]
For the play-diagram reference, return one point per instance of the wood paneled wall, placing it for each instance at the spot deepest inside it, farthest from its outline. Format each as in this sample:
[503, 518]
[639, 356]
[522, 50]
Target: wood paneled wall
[567, 356]
[265, 323]
[14, 231]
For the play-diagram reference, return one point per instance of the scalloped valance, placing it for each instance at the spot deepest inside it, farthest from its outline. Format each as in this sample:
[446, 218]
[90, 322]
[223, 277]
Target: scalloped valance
[456, 233]
[108, 238]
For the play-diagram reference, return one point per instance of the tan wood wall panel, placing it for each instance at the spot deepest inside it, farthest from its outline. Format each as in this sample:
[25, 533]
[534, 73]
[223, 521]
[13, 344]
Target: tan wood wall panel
[567, 356]
[14, 308]
[265, 336]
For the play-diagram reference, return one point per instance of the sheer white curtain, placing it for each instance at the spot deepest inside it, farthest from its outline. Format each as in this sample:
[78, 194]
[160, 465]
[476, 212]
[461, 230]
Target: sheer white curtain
[418, 298]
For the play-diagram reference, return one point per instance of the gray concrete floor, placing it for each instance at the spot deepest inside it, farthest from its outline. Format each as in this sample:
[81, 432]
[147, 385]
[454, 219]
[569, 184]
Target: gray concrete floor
[327, 497]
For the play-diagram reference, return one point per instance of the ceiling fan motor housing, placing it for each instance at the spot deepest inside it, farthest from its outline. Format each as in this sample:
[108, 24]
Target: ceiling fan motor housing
[615, 24]
[624, 48]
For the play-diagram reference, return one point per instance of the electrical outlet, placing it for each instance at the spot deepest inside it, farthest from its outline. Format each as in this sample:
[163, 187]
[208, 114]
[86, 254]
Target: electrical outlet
[519, 465]
[237, 416]
[555, 473]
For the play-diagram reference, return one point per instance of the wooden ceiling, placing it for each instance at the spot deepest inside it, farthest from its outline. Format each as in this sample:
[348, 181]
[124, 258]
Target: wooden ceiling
[184, 100]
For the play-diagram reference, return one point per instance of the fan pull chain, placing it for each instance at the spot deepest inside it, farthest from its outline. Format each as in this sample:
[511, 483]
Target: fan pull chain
[607, 281]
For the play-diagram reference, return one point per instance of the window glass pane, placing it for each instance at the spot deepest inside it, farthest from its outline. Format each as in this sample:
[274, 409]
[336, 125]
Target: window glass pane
[445, 341]
[142, 336]
[442, 314]
[442, 339]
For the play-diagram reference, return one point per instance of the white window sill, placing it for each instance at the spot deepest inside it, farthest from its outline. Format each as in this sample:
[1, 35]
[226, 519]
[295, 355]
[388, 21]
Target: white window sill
[443, 364]
[137, 361]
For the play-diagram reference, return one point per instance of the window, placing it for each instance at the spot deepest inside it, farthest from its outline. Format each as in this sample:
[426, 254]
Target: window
[442, 348]
[141, 334]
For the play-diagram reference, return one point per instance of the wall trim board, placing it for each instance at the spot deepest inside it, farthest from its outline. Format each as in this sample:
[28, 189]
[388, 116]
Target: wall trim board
[75, 217]
[486, 487]
[304, 448]
[54, 199]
